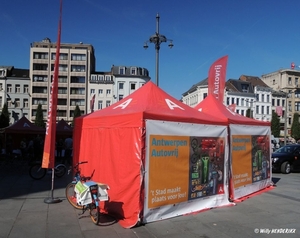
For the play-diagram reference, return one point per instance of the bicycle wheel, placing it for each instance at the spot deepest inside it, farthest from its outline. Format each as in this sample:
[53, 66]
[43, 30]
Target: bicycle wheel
[95, 213]
[60, 170]
[37, 172]
[71, 196]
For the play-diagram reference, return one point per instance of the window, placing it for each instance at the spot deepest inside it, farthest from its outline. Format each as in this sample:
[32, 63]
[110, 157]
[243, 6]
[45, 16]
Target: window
[107, 103]
[9, 88]
[17, 102]
[263, 98]
[100, 77]
[133, 71]
[43, 67]
[237, 101]
[78, 57]
[100, 91]
[108, 92]
[62, 79]
[43, 78]
[296, 82]
[227, 100]
[243, 102]
[274, 82]
[18, 88]
[120, 97]
[122, 70]
[78, 68]
[92, 91]
[93, 77]
[107, 77]
[121, 85]
[290, 81]
[232, 100]
[40, 55]
[262, 110]
[25, 89]
[204, 95]
[77, 79]
[268, 98]
[61, 90]
[132, 86]
[268, 110]
[100, 104]
[257, 109]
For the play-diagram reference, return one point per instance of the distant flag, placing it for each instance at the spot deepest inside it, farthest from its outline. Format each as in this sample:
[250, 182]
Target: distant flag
[49, 145]
[232, 107]
[292, 65]
[279, 111]
[92, 102]
[217, 78]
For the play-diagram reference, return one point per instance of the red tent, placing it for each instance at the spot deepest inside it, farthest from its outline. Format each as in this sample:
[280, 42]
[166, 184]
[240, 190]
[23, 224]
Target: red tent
[112, 140]
[213, 107]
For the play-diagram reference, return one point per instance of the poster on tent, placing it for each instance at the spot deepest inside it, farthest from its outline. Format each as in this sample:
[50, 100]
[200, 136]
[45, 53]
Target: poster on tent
[185, 168]
[250, 159]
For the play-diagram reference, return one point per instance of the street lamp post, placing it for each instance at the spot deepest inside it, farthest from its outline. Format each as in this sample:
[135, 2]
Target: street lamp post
[157, 39]
[285, 118]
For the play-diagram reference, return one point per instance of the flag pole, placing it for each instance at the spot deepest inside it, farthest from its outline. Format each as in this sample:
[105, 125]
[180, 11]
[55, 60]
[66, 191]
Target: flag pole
[49, 146]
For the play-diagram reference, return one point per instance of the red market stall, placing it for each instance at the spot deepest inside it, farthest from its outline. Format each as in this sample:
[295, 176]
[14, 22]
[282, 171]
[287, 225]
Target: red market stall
[250, 149]
[147, 147]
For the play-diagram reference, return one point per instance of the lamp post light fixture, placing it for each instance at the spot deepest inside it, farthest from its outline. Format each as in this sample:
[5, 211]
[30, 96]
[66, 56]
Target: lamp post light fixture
[157, 39]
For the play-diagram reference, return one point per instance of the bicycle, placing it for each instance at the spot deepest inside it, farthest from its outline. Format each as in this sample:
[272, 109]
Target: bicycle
[85, 194]
[37, 172]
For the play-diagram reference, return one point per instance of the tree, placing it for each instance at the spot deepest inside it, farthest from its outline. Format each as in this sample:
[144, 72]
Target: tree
[77, 113]
[249, 113]
[39, 117]
[4, 117]
[275, 125]
[295, 129]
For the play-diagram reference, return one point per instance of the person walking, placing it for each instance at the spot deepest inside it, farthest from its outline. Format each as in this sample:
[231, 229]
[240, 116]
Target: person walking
[68, 144]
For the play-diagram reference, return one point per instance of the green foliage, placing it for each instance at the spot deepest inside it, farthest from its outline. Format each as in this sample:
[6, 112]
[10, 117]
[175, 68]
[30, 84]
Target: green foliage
[275, 125]
[4, 117]
[249, 113]
[39, 117]
[295, 130]
[77, 113]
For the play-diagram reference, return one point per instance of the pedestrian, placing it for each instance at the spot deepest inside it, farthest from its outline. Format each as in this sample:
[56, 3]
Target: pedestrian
[68, 144]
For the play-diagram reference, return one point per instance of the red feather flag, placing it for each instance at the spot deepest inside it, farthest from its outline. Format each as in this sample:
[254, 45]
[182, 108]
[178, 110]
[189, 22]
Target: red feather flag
[49, 145]
[217, 78]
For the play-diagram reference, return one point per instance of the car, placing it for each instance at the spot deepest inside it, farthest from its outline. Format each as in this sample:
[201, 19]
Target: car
[286, 159]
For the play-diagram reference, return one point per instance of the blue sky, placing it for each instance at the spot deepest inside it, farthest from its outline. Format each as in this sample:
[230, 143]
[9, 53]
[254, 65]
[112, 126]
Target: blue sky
[258, 36]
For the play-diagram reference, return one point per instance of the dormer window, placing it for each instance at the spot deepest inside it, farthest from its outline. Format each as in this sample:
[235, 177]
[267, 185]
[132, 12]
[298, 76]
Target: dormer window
[122, 70]
[133, 71]
[245, 88]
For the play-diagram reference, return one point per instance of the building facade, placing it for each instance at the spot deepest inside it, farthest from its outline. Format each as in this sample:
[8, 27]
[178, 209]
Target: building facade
[110, 87]
[14, 90]
[287, 82]
[76, 62]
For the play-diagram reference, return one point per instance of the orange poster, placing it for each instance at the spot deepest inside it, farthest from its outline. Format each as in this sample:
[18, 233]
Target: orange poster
[241, 152]
[168, 170]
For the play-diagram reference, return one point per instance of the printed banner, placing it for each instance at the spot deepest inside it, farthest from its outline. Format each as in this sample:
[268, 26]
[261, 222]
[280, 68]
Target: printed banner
[250, 159]
[217, 78]
[184, 169]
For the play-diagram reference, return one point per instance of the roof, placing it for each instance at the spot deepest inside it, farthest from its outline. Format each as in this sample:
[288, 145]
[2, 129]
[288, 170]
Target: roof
[204, 82]
[147, 102]
[23, 126]
[62, 128]
[255, 81]
[212, 106]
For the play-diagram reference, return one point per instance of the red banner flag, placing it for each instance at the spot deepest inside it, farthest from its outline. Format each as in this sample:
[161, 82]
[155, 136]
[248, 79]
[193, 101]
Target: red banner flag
[92, 102]
[232, 107]
[217, 78]
[49, 145]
